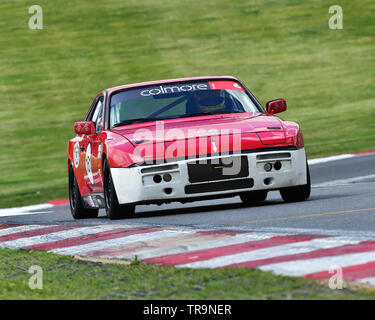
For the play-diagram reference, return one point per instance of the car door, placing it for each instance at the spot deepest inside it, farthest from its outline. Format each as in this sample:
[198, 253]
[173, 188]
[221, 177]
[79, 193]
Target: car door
[93, 147]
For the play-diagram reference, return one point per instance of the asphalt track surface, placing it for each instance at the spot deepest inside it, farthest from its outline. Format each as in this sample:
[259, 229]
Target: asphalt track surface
[342, 202]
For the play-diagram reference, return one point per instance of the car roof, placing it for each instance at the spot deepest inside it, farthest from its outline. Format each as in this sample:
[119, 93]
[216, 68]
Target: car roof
[151, 83]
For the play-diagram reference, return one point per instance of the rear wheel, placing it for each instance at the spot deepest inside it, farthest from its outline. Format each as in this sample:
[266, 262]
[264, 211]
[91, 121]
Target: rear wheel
[297, 193]
[252, 197]
[112, 207]
[76, 205]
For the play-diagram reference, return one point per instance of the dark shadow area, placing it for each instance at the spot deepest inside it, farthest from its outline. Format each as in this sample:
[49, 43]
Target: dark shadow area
[229, 206]
[203, 209]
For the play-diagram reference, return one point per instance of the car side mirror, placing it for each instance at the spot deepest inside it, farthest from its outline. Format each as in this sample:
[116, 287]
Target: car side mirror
[276, 106]
[84, 127]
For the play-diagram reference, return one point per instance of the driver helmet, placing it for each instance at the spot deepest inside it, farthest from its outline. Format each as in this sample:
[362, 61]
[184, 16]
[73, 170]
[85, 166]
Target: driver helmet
[210, 100]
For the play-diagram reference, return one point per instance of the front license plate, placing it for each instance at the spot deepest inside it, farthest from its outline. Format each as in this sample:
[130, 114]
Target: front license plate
[218, 169]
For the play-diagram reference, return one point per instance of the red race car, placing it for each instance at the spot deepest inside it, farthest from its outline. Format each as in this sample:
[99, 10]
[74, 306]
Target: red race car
[182, 140]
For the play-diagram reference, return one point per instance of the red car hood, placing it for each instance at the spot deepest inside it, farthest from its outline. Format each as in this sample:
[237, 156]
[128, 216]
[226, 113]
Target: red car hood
[229, 132]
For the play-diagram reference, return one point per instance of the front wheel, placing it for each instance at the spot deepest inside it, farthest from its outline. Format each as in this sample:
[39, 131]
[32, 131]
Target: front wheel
[112, 207]
[297, 193]
[76, 205]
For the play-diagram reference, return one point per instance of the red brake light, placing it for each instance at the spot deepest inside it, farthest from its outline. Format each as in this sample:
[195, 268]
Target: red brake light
[299, 140]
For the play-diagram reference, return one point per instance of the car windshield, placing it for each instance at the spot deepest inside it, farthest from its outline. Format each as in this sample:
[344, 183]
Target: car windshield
[178, 100]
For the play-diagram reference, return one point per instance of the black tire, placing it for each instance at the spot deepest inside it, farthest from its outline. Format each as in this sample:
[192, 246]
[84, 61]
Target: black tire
[297, 193]
[76, 204]
[112, 207]
[252, 197]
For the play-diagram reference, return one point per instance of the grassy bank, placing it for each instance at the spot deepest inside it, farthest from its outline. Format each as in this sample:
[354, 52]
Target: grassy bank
[65, 278]
[49, 77]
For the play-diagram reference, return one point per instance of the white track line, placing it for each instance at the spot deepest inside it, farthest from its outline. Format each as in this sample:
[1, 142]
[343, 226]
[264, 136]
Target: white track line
[56, 236]
[24, 210]
[304, 267]
[345, 181]
[280, 250]
[329, 159]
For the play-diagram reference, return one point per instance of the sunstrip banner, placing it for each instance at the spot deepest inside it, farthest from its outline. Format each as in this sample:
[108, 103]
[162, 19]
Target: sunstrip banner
[225, 85]
[175, 88]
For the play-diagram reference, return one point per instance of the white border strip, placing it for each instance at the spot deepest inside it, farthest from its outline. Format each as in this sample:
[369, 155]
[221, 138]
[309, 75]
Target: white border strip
[345, 181]
[329, 159]
[24, 210]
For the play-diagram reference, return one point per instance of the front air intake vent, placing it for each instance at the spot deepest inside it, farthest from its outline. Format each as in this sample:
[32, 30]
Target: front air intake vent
[274, 156]
[160, 168]
[219, 186]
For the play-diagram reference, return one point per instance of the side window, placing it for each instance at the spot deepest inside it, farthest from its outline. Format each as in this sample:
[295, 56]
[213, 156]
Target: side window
[97, 115]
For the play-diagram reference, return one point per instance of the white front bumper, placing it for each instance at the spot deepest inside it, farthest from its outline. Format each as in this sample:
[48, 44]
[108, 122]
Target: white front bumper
[137, 185]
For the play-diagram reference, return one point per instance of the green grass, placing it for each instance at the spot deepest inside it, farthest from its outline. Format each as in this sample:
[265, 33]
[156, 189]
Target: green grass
[65, 278]
[49, 77]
